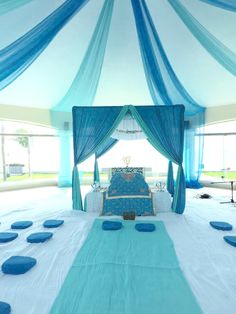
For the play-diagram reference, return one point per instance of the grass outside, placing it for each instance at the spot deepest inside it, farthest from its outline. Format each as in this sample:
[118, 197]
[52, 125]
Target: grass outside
[34, 176]
[229, 175]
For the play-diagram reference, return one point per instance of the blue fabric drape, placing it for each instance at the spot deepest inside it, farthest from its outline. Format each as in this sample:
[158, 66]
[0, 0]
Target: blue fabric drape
[170, 179]
[164, 127]
[17, 57]
[222, 54]
[164, 86]
[84, 86]
[223, 4]
[9, 5]
[91, 128]
[103, 149]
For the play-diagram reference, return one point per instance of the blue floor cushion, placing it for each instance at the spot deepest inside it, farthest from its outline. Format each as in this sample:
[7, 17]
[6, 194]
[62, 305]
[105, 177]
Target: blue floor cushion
[231, 240]
[53, 223]
[39, 237]
[145, 227]
[5, 308]
[16, 265]
[7, 237]
[21, 224]
[111, 225]
[221, 225]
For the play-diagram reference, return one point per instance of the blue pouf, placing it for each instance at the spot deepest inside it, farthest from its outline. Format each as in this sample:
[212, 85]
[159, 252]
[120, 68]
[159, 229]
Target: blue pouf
[231, 240]
[53, 223]
[21, 224]
[145, 227]
[39, 237]
[111, 225]
[17, 265]
[221, 225]
[5, 308]
[7, 237]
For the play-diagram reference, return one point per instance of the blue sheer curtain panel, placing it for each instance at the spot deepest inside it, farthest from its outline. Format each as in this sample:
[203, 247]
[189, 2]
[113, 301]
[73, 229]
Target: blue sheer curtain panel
[164, 127]
[9, 5]
[165, 88]
[17, 57]
[223, 4]
[170, 179]
[103, 149]
[222, 54]
[84, 86]
[92, 126]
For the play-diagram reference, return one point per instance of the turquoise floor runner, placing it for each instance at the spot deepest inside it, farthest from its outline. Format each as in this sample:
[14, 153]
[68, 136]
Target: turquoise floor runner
[126, 272]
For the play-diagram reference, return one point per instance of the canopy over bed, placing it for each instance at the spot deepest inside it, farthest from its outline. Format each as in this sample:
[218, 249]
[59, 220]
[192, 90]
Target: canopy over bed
[162, 125]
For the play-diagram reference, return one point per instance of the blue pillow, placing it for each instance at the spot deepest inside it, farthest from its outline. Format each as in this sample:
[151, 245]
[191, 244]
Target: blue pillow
[16, 265]
[145, 227]
[53, 223]
[39, 237]
[231, 240]
[5, 308]
[7, 237]
[221, 225]
[21, 224]
[111, 225]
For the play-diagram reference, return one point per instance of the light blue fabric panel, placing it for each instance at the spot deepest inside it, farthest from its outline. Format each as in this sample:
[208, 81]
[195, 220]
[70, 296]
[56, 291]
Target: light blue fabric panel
[223, 4]
[18, 56]
[6, 5]
[124, 272]
[103, 149]
[164, 127]
[164, 86]
[221, 53]
[91, 129]
[84, 86]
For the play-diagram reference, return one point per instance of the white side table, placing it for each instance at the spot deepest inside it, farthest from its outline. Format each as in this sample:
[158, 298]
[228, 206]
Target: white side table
[161, 201]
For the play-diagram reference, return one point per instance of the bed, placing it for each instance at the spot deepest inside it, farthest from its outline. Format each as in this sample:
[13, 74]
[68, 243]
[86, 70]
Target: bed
[207, 262]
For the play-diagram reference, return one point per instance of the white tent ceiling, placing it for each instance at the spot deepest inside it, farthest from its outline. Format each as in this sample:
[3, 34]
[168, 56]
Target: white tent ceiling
[122, 79]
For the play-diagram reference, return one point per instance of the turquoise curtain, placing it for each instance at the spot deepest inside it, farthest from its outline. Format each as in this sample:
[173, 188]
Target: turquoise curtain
[9, 5]
[18, 56]
[84, 86]
[103, 149]
[165, 87]
[164, 127]
[223, 4]
[222, 54]
[91, 128]
[170, 179]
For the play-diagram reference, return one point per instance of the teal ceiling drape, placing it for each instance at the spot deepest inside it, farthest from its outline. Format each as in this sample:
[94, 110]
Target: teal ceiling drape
[19, 55]
[163, 126]
[221, 53]
[9, 5]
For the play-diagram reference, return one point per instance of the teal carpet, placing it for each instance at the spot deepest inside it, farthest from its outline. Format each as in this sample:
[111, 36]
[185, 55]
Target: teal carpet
[126, 272]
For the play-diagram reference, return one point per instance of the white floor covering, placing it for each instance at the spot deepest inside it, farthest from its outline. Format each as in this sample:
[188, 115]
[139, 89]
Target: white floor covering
[208, 263]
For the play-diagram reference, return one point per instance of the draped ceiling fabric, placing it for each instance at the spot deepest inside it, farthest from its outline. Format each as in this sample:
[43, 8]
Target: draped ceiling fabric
[163, 126]
[56, 54]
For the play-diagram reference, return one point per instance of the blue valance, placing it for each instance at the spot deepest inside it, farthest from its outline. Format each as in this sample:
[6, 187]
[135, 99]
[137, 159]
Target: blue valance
[17, 57]
[163, 126]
